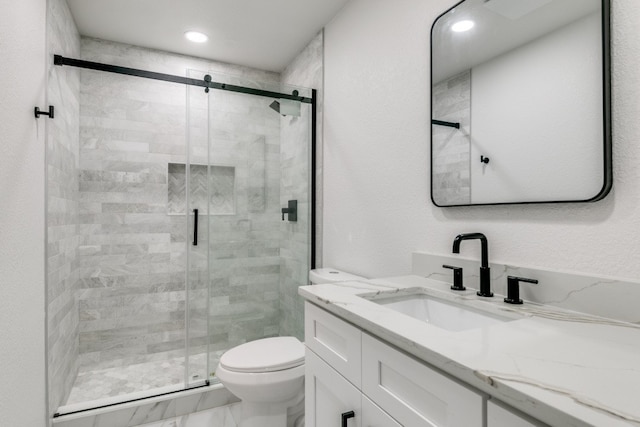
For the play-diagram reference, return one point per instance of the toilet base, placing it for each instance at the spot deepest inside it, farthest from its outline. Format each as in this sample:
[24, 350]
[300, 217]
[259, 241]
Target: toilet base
[263, 415]
[284, 414]
[295, 413]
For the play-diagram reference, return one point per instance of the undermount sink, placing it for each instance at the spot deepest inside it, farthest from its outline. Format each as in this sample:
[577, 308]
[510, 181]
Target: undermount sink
[443, 314]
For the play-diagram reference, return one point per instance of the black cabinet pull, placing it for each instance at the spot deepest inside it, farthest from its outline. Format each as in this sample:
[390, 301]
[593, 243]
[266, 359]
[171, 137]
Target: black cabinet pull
[195, 227]
[346, 416]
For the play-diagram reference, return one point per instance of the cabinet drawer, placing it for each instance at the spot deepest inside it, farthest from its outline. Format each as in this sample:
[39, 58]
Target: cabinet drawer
[414, 393]
[499, 415]
[335, 341]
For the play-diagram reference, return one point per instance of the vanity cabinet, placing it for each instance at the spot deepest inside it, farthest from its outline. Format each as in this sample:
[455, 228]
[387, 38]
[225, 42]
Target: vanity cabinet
[335, 341]
[348, 370]
[373, 416]
[330, 398]
[414, 393]
[328, 395]
[499, 415]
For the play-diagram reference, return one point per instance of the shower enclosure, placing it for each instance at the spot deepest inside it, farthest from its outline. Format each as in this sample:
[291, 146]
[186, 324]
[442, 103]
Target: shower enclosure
[167, 239]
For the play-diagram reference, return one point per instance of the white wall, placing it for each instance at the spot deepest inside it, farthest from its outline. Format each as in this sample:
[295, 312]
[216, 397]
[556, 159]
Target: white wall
[536, 112]
[22, 335]
[376, 201]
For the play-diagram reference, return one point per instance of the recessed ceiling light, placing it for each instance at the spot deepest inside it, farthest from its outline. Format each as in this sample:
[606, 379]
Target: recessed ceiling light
[196, 37]
[461, 26]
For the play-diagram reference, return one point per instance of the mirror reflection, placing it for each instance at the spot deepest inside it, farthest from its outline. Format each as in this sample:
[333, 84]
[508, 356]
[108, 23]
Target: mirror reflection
[520, 102]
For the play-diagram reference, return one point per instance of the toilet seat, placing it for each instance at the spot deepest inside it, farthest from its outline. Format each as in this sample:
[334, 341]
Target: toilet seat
[264, 355]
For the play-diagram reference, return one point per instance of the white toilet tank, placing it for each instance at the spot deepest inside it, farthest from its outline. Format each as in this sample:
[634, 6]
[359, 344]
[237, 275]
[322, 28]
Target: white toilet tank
[319, 276]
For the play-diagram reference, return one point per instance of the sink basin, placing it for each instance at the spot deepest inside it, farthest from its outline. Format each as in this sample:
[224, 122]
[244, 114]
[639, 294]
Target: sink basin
[443, 314]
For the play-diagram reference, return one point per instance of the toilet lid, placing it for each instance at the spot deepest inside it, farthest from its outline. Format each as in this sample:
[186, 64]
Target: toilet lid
[265, 355]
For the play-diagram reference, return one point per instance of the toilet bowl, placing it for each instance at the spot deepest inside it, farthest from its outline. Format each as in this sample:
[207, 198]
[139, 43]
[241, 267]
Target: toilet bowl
[267, 375]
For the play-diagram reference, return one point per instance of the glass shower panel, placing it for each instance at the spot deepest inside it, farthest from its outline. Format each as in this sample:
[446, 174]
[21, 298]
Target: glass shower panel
[129, 289]
[198, 179]
[295, 237]
[258, 160]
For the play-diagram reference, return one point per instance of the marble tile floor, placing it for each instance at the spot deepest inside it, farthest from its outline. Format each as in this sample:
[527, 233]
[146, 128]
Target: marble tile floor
[223, 416]
[98, 384]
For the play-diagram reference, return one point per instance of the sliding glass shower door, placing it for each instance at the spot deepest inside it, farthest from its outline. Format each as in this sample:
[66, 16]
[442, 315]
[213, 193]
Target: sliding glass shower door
[258, 159]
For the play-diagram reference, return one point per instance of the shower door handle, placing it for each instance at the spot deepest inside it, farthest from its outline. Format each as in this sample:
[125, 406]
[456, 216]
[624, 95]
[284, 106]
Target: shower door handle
[195, 227]
[346, 416]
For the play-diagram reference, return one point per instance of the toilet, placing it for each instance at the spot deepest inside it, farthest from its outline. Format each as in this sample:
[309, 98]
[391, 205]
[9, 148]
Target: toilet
[268, 374]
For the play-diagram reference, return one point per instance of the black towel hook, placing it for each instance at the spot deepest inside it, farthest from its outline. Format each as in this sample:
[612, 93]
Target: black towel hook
[37, 112]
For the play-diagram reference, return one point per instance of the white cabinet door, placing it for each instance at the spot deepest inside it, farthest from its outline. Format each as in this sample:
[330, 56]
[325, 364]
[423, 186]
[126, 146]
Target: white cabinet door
[373, 416]
[337, 342]
[415, 394]
[499, 415]
[329, 396]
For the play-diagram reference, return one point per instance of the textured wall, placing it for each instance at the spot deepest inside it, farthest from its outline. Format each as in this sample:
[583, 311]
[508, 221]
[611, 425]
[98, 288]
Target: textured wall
[63, 91]
[22, 219]
[377, 207]
[450, 146]
[305, 70]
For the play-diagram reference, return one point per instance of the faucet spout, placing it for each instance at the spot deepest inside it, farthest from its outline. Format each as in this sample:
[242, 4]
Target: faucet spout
[484, 246]
[485, 276]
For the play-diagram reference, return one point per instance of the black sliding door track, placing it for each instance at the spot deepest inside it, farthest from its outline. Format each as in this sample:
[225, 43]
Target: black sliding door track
[206, 83]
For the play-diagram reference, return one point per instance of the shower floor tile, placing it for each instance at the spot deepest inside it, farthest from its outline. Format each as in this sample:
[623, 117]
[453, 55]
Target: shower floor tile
[122, 380]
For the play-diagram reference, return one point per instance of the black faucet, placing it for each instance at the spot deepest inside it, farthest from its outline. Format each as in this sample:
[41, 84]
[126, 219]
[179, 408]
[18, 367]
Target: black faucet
[485, 272]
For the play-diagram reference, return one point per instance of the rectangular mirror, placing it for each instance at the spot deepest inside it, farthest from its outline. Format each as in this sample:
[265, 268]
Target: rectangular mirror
[520, 102]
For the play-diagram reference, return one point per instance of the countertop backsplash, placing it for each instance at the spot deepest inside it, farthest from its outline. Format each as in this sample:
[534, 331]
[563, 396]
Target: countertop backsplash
[610, 297]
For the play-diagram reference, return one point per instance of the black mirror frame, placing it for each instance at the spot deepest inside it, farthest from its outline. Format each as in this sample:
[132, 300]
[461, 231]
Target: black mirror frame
[606, 111]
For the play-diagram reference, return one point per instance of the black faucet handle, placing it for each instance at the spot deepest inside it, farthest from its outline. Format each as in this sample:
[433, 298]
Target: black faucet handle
[457, 277]
[513, 288]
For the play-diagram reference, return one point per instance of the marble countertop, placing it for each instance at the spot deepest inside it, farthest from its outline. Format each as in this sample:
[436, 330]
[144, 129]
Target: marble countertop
[563, 368]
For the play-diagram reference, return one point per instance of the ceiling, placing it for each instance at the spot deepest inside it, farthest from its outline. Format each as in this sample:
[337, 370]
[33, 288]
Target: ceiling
[263, 34]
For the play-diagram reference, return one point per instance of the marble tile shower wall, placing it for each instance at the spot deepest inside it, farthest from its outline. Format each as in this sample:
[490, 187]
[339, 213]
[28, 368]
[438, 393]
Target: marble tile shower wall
[451, 147]
[132, 298]
[305, 70]
[62, 148]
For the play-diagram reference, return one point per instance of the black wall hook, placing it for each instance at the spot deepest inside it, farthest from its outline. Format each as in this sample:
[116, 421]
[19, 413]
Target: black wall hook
[484, 159]
[37, 112]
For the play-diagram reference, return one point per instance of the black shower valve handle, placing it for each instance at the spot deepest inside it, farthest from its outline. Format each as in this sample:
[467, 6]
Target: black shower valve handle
[291, 211]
